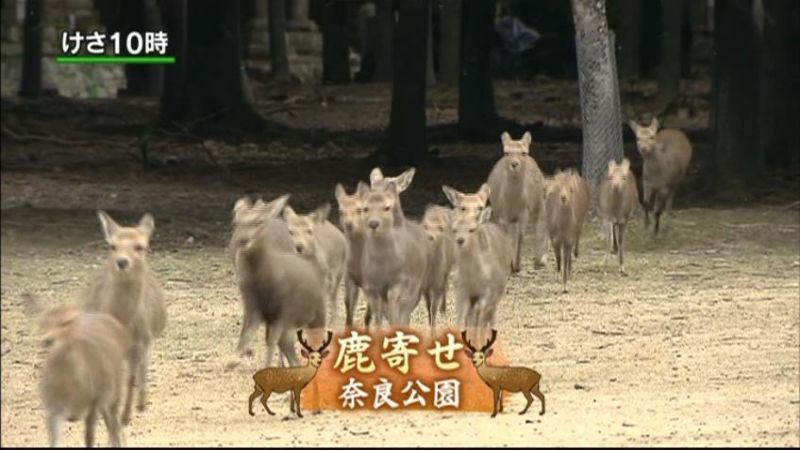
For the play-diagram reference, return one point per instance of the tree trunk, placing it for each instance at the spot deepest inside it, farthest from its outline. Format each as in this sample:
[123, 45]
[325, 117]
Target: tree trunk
[450, 44]
[31, 82]
[173, 16]
[476, 111]
[384, 17]
[669, 72]
[628, 15]
[737, 161]
[408, 143]
[650, 55]
[335, 51]
[213, 86]
[778, 115]
[278, 53]
[430, 74]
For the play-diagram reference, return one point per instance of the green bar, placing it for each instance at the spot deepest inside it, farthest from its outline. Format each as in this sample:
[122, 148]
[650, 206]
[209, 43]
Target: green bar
[115, 59]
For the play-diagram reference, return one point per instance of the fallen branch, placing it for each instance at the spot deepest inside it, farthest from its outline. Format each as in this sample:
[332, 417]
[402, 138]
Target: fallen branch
[25, 137]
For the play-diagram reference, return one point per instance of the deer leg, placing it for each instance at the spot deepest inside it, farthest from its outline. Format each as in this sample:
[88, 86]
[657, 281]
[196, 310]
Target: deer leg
[535, 391]
[519, 231]
[668, 206]
[620, 234]
[273, 334]
[647, 204]
[577, 244]
[54, 421]
[496, 396]
[296, 394]
[565, 254]
[91, 423]
[429, 306]
[256, 393]
[141, 403]
[557, 251]
[540, 240]
[500, 402]
[350, 300]
[443, 303]
[529, 398]
[264, 398]
[286, 346]
[250, 323]
[658, 208]
[112, 425]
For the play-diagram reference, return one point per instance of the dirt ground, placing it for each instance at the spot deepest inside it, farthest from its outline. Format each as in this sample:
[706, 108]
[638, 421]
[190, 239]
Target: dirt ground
[699, 345]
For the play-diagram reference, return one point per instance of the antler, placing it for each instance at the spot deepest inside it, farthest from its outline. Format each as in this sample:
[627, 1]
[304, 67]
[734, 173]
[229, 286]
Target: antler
[327, 341]
[491, 341]
[466, 341]
[303, 341]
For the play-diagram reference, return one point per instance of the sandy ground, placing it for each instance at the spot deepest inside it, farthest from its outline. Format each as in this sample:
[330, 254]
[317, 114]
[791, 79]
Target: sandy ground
[698, 346]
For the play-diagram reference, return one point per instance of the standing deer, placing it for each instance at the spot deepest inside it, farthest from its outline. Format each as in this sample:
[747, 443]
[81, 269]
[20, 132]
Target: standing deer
[516, 193]
[316, 238]
[617, 196]
[469, 204]
[436, 223]
[351, 210]
[294, 379]
[511, 379]
[566, 207]
[84, 371]
[665, 156]
[127, 290]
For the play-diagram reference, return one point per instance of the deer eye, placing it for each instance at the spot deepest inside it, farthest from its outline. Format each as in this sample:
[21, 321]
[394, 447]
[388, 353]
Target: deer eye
[463, 208]
[387, 208]
[113, 247]
[472, 230]
[310, 232]
[138, 247]
[366, 209]
[441, 228]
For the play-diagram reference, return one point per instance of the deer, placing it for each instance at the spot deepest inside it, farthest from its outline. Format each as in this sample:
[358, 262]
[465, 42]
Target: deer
[351, 210]
[516, 195]
[483, 264]
[316, 238]
[617, 196]
[470, 204]
[395, 259]
[511, 379]
[665, 156]
[378, 180]
[566, 207]
[128, 290]
[436, 223]
[294, 379]
[84, 370]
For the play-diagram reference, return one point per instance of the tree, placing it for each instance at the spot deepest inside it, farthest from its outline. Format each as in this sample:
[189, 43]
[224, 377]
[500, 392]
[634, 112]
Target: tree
[384, 17]
[476, 111]
[737, 161]
[627, 16]
[408, 143]
[450, 45]
[335, 51]
[31, 82]
[211, 85]
[669, 72]
[277, 40]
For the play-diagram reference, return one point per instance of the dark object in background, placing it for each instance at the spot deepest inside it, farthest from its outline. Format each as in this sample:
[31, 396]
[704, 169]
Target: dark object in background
[514, 54]
[31, 83]
[335, 51]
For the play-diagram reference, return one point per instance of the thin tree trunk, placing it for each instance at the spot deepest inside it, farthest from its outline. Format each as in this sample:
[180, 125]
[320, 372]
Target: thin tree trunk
[737, 161]
[408, 144]
[31, 82]
[384, 17]
[669, 72]
[278, 53]
[476, 110]
[450, 44]
[335, 52]
[173, 16]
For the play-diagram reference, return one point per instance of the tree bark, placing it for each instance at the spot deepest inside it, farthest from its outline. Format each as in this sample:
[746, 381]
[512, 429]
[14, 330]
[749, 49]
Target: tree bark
[213, 86]
[408, 143]
[450, 44]
[476, 107]
[278, 53]
[628, 25]
[384, 17]
[669, 72]
[737, 161]
[335, 51]
[31, 82]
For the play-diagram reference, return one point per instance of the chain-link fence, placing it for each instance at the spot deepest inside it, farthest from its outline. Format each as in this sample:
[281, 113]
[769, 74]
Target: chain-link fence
[599, 90]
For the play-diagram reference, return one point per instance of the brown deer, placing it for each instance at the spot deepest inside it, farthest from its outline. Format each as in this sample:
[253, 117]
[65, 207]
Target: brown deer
[511, 379]
[84, 371]
[294, 379]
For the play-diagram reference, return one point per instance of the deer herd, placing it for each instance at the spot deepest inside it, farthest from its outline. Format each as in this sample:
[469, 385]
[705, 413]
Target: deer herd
[289, 266]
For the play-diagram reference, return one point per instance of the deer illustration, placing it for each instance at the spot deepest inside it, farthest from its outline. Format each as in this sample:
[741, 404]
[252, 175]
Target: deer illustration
[294, 379]
[512, 379]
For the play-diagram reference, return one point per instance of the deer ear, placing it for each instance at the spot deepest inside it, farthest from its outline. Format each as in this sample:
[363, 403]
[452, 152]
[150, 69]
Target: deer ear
[147, 224]
[505, 138]
[375, 176]
[339, 192]
[486, 215]
[304, 353]
[362, 189]
[109, 226]
[453, 196]
[241, 205]
[404, 179]
[488, 353]
[526, 140]
[484, 192]
[634, 126]
[626, 164]
[654, 124]
[611, 165]
[321, 214]
[324, 354]
[288, 212]
[274, 208]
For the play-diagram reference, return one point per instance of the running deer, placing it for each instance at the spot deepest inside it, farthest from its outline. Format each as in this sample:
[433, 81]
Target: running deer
[516, 193]
[665, 155]
[293, 379]
[316, 238]
[511, 379]
[395, 258]
[282, 289]
[483, 263]
[470, 204]
[617, 196]
[128, 290]
[566, 206]
[436, 223]
[84, 370]
[351, 210]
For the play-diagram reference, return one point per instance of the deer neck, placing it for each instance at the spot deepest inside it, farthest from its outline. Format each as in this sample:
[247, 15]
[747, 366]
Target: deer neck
[126, 292]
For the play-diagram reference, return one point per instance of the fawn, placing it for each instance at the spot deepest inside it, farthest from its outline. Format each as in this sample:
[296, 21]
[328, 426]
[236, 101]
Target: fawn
[566, 206]
[617, 196]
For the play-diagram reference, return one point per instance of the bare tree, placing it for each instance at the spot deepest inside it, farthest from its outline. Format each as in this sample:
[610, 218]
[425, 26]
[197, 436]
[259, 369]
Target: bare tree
[384, 17]
[450, 44]
[476, 110]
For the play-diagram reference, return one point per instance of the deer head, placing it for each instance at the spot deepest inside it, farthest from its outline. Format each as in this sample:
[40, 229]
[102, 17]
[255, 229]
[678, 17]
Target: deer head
[314, 356]
[479, 356]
